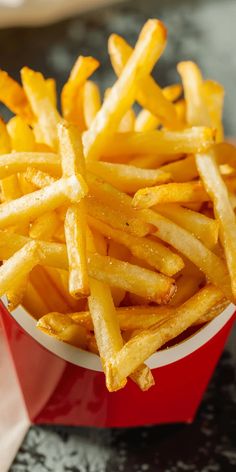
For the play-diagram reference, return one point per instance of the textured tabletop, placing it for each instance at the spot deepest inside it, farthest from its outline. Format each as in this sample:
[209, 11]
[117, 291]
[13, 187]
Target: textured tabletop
[203, 31]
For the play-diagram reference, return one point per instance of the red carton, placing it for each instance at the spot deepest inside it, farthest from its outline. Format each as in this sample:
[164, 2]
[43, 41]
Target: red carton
[64, 385]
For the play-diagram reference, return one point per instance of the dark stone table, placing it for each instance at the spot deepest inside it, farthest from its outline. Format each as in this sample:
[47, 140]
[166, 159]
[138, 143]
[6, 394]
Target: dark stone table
[203, 31]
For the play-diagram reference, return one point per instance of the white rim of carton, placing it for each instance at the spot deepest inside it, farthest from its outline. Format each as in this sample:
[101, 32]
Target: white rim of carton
[91, 361]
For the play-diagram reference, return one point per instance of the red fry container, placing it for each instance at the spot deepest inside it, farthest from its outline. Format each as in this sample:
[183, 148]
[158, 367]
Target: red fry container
[63, 385]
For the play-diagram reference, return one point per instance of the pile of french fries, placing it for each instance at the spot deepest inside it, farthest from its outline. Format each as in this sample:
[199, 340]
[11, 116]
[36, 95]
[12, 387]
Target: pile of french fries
[117, 230]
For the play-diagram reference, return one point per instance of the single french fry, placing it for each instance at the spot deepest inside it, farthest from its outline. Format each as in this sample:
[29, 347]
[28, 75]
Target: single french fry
[154, 161]
[16, 293]
[204, 228]
[72, 92]
[33, 302]
[212, 313]
[127, 178]
[10, 188]
[187, 244]
[196, 108]
[100, 242]
[14, 97]
[180, 108]
[127, 122]
[40, 100]
[214, 98]
[21, 135]
[187, 286]
[92, 101]
[139, 348]
[19, 161]
[52, 91]
[120, 202]
[19, 265]
[223, 210]
[143, 377]
[38, 178]
[72, 161]
[190, 140]
[182, 170]
[30, 206]
[63, 328]
[132, 278]
[75, 234]
[116, 218]
[170, 193]
[45, 226]
[148, 94]
[5, 141]
[148, 49]
[154, 253]
[146, 121]
[25, 186]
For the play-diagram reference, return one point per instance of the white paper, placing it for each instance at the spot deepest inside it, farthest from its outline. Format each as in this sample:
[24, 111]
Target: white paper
[14, 421]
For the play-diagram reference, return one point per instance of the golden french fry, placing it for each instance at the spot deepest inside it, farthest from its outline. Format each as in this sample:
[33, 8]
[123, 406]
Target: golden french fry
[204, 228]
[123, 220]
[21, 135]
[36, 89]
[19, 161]
[63, 328]
[151, 285]
[100, 242]
[33, 302]
[48, 290]
[146, 121]
[5, 141]
[148, 94]
[75, 234]
[30, 206]
[187, 286]
[72, 161]
[139, 348]
[127, 122]
[120, 202]
[72, 92]
[190, 140]
[19, 265]
[45, 226]
[214, 98]
[52, 91]
[38, 178]
[196, 108]
[10, 188]
[154, 161]
[25, 186]
[169, 193]
[191, 247]
[92, 102]
[182, 170]
[223, 210]
[148, 49]
[154, 253]
[14, 97]
[127, 178]
[143, 377]
[16, 293]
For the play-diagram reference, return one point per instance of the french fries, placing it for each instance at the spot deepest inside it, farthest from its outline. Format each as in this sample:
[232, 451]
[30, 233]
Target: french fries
[190, 140]
[218, 192]
[147, 342]
[10, 164]
[169, 193]
[147, 51]
[117, 230]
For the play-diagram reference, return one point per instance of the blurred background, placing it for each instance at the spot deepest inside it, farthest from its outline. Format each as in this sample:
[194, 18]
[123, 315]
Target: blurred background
[48, 35]
[201, 30]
